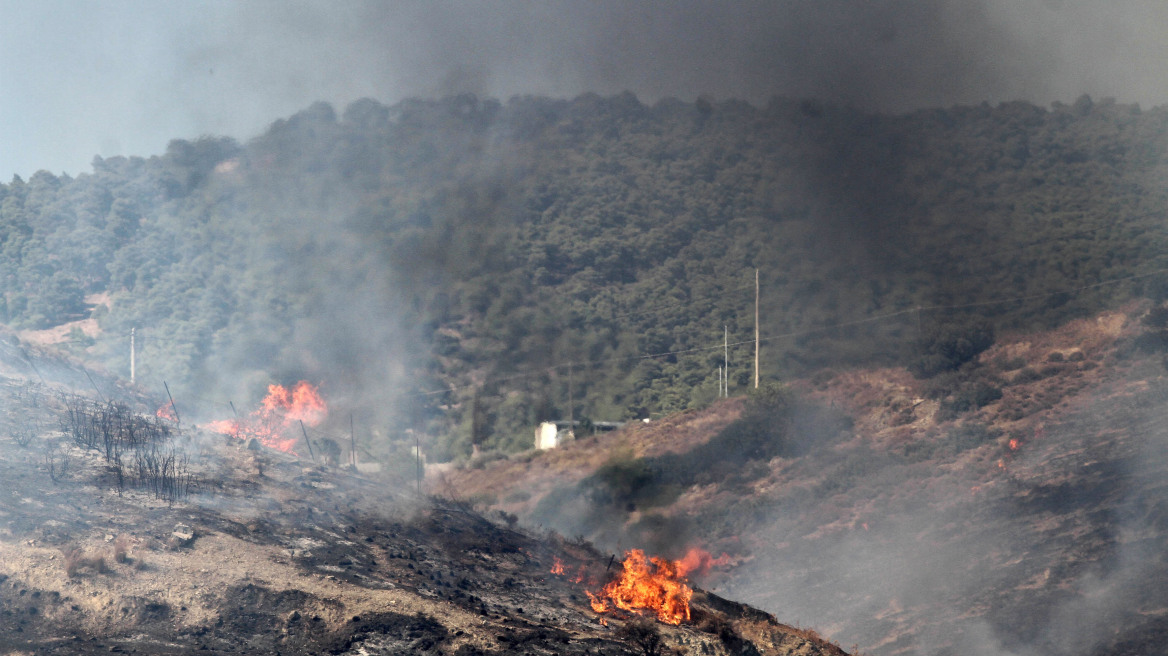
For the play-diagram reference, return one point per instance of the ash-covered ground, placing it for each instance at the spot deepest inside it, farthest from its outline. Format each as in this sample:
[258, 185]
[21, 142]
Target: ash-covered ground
[188, 541]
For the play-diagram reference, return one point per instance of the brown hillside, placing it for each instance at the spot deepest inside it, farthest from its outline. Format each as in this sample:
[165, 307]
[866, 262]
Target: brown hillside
[1036, 521]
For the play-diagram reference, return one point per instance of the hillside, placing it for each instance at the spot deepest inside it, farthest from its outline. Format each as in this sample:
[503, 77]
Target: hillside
[537, 253]
[233, 548]
[912, 516]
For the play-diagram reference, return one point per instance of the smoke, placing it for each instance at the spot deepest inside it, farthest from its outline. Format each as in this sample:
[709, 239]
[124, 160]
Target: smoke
[147, 75]
[1058, 551]
[1063, 554]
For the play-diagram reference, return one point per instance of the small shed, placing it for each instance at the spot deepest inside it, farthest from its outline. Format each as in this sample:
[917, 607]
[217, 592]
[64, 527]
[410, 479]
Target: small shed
[547, 435]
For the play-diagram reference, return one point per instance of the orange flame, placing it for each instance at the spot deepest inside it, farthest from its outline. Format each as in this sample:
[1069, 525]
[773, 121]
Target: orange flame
[273, 423]
[558, 567]
[166, 411]
[654, 584]
[1014, 444]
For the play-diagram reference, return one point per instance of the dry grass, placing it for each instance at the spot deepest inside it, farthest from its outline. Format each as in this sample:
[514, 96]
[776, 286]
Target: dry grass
[121, 549]
[76, 560]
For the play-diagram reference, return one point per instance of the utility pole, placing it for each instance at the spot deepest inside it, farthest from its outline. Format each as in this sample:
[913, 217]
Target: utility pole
[726, 361]
[571, 402]
[131, 356]
[756, 340]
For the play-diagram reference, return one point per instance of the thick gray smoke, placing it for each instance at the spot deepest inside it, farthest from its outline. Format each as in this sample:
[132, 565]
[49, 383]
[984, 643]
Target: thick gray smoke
[148, 75]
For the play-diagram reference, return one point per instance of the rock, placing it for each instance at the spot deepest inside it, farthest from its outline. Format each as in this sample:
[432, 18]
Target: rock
[183, 533]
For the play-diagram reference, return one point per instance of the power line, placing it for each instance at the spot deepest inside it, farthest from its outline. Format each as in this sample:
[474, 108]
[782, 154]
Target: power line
[801, 333]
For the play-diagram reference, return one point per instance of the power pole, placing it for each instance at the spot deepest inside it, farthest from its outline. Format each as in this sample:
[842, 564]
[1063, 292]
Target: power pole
[131, 356]
[756, 340]
[571, 402]
[726, 361]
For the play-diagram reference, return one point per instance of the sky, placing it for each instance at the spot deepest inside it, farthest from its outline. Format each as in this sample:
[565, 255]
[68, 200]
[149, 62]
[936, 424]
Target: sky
[81, 78]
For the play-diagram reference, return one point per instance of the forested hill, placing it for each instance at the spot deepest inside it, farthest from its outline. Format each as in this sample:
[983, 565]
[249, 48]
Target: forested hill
[504, 252]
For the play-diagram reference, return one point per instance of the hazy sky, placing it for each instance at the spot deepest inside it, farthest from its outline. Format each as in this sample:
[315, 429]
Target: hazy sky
[114, 77]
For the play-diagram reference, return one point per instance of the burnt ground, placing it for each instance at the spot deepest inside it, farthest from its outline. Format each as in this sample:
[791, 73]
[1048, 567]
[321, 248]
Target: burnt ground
[263, 553]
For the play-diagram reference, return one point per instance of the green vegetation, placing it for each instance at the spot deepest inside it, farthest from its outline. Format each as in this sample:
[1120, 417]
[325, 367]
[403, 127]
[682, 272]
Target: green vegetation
[416, 257]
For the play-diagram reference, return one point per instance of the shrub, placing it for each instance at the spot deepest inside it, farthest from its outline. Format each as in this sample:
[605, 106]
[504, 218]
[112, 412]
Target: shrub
[947, 346]
[1027, 375]
[121, 549]
[75, 560]
[643, 635]
[330, 451]
[1010, 364]
[970, 396]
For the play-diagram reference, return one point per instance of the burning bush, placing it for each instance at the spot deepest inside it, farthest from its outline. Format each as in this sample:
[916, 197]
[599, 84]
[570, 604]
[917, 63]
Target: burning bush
[281, 410]
[653, 584]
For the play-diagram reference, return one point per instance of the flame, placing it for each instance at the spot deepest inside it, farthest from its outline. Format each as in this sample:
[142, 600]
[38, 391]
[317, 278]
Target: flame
[273, 423]
[654, 584]
[558, 567]
[1014, 444]
[166, 411]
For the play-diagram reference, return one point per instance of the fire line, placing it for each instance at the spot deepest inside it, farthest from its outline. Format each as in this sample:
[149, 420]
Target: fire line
[280, 410]
[654, 584]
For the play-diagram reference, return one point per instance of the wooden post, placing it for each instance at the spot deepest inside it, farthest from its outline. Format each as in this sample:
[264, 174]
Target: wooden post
[756, 340]
[174, 407]
[307, 441]
[99, 394]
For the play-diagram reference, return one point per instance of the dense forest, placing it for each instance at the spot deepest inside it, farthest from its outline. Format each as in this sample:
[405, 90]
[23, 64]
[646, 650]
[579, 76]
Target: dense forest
[455, 271]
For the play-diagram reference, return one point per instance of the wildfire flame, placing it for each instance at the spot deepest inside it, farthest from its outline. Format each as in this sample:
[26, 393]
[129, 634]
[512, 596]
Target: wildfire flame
[274, 422]
[558, 567]
[1014, 444]
[654, 584]
[166, 411]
